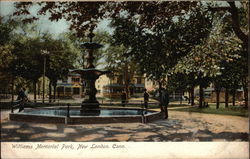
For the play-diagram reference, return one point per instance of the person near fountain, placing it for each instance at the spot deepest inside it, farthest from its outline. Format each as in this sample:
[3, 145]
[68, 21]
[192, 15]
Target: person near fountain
[123, 98]
[165, 101]
[146, 98]
[21, 94]
[23, 97]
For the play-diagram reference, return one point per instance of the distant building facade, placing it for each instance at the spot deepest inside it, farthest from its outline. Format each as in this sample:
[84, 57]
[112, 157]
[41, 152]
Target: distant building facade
[70, 87]
[106, 86]
[116, 85]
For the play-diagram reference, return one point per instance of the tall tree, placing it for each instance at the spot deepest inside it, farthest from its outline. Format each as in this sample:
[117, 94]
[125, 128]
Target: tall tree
[27, 63]
[6, 55]
[62, 57]
[117, 61]
[158, 50]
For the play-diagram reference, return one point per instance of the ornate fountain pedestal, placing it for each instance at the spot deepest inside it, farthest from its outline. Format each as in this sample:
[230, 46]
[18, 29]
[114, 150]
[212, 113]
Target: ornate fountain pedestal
[89, 75]
[90, 90]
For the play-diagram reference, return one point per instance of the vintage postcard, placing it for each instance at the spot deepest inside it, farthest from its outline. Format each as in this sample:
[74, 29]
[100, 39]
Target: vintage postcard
[124, 79]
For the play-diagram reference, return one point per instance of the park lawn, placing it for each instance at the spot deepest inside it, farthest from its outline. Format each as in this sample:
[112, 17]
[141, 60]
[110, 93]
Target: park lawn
[231, 110]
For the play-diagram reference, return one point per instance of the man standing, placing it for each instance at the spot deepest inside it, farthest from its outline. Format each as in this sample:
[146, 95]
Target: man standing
[165, 103]
[146, 98]
[123, 98]
[21, 94]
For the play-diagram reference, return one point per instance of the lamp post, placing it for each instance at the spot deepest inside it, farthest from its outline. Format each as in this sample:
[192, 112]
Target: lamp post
[44, 53]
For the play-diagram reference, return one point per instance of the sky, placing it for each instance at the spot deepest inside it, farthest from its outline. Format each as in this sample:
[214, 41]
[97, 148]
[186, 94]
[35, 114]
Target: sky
[45, 25]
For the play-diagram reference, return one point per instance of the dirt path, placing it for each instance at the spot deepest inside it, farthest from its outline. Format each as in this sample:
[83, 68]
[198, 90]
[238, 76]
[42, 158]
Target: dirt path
[181, 126]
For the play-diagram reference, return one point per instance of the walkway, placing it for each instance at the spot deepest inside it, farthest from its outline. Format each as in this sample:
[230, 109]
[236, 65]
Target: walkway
[181, 126]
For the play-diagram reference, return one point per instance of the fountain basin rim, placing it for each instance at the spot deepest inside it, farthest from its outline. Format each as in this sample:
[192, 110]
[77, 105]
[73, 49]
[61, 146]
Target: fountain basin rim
[149, 112]
[24, 117]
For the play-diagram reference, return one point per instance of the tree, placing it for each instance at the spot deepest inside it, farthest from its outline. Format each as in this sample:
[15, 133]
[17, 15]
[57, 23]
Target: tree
[217, 86]
[29, 43]
[6, 48]
[27, 63]
[177, 83]
[6, 56]
[61, 58]
[240, 25]
[205, 59]
[238, 15]
[231, 75]
[166, 43]
[116, 61]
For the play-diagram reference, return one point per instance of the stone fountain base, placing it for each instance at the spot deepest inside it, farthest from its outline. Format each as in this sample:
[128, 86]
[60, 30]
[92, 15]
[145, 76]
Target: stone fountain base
[89, 105]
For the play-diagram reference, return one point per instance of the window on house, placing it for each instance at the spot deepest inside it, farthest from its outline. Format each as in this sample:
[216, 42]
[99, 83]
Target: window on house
[76, 91]
[67, 89]
[60, 89]
[139, 80]
[65, 80]
[75, 79]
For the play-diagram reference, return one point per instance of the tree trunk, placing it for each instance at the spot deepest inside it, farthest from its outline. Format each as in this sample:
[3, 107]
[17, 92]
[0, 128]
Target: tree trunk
[226, 97]
[12, 89]
[126, 81]
[192, 95]
[34, 89]
[234, 97]
[38, 89]
[189, 96]
[54, 96]
[201, 96]
[246, 98]
[236, 23]
[181, 98]
[160, 96]
[245, 89]
[58, 94]
[217, 99]
[50, 91]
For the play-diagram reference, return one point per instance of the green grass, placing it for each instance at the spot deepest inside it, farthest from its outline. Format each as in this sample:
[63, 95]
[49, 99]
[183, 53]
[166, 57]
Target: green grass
[231, 110]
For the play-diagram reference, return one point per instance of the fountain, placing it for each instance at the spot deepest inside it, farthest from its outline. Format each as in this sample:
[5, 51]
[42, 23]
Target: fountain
[90, 74]
[90, 111]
